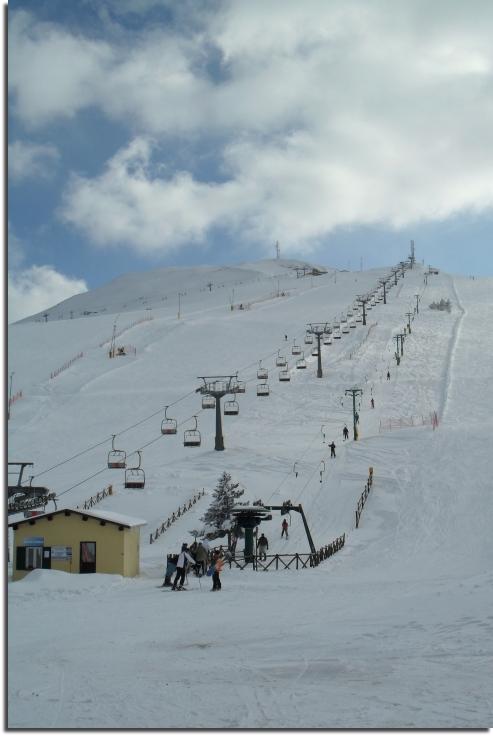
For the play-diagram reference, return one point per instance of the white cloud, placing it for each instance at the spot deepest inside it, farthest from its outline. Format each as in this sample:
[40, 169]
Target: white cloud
[29, 290]
[37, 288]
[31, 160]
[328, 114]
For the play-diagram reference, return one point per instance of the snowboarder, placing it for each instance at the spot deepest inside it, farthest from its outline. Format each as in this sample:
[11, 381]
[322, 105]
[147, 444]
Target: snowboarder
[262, 546]
[218, 564]
[181, 567]
[332, 449]
[284, 526]
[388, 375]
[372, 402]
[345, 433]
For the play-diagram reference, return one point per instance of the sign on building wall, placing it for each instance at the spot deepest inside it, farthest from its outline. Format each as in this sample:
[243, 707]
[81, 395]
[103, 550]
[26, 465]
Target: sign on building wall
[61, 553]
[34, 542]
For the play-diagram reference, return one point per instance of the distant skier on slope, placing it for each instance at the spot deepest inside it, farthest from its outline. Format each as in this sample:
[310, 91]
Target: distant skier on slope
[345, 433]
[284, 527]
[372, 402]
[332, 449]
[388, 375]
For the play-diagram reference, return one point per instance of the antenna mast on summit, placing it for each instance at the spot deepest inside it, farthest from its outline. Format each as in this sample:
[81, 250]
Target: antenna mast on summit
[278, 250]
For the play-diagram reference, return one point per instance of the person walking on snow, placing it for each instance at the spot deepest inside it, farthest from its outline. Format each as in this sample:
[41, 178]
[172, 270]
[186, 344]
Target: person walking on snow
[345, 433]
[388, 375]
[218, 566]
[372, 402]
[181, 566]
[284, 526]
[332, 449]
[262, 546]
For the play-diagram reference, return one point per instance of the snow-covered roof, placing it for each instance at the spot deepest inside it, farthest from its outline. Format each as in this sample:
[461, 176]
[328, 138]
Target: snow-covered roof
[111, 516]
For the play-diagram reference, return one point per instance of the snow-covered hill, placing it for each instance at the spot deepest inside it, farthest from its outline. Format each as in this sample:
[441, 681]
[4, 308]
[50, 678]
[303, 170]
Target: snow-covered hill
[392, 631]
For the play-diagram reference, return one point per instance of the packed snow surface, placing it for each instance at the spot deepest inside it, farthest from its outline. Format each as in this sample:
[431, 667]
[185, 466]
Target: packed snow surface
[393, 631]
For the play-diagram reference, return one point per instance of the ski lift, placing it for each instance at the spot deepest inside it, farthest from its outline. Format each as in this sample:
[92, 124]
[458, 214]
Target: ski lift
[231, 408]
[352, 324]
[284, 375]
[168, 426]
[308, 338]
[315, 352]
[359, 318]
[343, 318]
[116, 458]
[295, 350]
[281, 360]
[191, 437]
[345, 328]
[337, 334]
[301, 362]
[208, 402]
[135, 477]
[327, 340]
[262, 389]
[239, 387]
[262, 373]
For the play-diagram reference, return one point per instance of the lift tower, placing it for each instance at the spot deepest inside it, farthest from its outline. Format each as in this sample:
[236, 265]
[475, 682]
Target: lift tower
[354, 392]
[318, 329]
[219, 386]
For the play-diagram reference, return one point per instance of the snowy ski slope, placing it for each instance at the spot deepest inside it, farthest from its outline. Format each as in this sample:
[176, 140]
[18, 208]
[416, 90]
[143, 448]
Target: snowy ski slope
[393, 631]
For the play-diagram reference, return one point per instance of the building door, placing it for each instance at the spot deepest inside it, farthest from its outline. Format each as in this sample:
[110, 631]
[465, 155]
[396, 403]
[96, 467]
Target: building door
[87, 557]
[47, 558]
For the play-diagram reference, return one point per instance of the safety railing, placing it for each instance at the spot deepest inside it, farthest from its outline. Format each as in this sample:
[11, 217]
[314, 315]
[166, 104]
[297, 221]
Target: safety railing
[364, 496]
[66, 365]
[176, 515]
[97, 498]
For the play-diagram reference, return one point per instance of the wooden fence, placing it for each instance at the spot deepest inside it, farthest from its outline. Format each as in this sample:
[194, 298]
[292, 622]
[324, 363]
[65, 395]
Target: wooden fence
[66, 365]
[294, 561]
[420, 420]
[364, 496]
[176, 515]
[97, 498]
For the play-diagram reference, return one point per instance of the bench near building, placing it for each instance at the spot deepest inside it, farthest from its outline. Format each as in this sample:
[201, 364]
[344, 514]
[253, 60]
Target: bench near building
[77, 541]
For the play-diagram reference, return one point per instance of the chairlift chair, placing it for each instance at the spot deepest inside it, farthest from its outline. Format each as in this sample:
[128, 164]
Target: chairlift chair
[168, 426]
[295, 350]
[208, 402]
[191, 437]
[262, 373]
[337, 334]
[135, 477]
[239, 387]
[262, 389]
[301, 362]
[345, 328]
[343, 318]
[308, 339]
[315, 352]
[359, 318]
[352, 324]
[284, 375]
[231, 408]
[327, 340]
[116, 458]
[280, 360]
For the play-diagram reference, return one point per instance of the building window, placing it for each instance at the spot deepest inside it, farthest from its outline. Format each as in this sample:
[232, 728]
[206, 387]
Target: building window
[33, 558]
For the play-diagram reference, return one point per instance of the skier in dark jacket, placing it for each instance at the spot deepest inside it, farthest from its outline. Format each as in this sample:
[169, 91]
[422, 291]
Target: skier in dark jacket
[345, 433]
[284, 528]
[332, 449]
[262, 546]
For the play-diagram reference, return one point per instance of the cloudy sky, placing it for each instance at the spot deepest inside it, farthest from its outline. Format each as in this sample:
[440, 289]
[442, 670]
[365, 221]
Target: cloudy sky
[155, 132]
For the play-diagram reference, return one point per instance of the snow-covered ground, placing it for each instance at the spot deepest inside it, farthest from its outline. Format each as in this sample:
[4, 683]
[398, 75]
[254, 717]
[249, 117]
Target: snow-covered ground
[393, 631]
